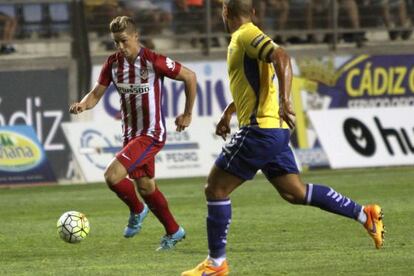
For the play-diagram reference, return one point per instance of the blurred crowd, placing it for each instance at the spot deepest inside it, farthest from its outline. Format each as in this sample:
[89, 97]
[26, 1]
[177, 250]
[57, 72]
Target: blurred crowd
[313, 17]
[280, 18]
[394, 15]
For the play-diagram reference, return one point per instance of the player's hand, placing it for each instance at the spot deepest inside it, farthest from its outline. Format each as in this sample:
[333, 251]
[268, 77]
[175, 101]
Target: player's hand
[286, 114]
[182, 121]
[223, 127]
[77, 108]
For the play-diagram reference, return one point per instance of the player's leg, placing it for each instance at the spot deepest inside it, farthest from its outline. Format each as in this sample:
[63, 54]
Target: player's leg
[283, 175]
[158, 204]
[236, 164]
[292, 189]
[124, 188]
[219, 186]
[133, 159]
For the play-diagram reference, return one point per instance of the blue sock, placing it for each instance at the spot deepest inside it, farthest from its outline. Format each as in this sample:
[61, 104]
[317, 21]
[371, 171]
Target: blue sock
[329, 200]
[218, 222]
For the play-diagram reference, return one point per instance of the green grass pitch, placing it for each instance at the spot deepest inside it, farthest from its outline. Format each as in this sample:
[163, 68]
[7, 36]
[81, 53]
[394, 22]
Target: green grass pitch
[267, 236]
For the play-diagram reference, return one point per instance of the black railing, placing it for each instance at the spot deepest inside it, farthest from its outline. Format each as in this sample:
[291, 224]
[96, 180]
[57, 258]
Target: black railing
[201, 28]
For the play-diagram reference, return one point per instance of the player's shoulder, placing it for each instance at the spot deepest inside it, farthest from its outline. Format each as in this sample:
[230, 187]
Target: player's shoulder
[251, 34]
[114, 57]
[248, 30]
[149, 54]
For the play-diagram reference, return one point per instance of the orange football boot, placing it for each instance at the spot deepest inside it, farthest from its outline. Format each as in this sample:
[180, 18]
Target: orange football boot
[374, 224]
[206, 268]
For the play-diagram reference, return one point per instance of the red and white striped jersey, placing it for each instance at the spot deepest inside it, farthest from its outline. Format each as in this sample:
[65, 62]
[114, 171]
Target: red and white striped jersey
[139, 86]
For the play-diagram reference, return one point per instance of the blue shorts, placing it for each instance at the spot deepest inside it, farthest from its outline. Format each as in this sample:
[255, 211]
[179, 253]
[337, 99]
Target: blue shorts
[252, 149]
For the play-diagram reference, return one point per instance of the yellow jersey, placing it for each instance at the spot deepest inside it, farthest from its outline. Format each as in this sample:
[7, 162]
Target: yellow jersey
[251, 77]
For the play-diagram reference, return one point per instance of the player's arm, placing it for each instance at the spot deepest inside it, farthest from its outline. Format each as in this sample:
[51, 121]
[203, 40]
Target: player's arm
[223, 126]
[90, 99]
[259, 45]
[283, 68]
[190, 87]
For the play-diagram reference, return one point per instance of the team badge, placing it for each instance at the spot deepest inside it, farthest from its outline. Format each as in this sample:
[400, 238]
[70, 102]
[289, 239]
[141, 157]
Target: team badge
[144, 74]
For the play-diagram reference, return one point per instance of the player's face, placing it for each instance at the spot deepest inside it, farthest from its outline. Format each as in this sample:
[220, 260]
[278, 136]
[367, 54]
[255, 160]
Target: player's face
[126, 43]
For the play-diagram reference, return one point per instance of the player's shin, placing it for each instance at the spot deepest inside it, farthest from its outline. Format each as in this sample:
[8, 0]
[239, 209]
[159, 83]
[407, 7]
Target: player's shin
[329, 200]
[159, 207]
[125, 190]
[218, 222]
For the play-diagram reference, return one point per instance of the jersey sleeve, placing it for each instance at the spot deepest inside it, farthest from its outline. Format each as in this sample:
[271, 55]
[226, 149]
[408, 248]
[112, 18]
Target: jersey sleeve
[257, 44]
[105, 77]
[166, 66]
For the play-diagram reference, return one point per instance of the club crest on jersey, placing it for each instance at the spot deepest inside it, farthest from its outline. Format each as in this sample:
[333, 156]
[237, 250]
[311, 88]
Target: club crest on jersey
[144, 74]
[133, 88]
[170, 63]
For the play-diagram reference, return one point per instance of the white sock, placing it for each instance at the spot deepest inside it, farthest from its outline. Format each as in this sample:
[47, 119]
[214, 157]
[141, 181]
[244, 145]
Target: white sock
[362, 217]
[217, 261]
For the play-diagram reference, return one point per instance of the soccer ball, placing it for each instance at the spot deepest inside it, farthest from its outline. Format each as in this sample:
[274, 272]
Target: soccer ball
[73, 227]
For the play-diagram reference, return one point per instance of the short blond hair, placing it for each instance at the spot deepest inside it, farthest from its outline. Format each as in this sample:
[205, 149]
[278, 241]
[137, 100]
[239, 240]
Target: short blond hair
[122, 23]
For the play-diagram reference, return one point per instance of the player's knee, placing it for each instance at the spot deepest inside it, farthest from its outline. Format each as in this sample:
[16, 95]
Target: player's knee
[111, 177]
[292, 198]
[145, 189]
[214, 193]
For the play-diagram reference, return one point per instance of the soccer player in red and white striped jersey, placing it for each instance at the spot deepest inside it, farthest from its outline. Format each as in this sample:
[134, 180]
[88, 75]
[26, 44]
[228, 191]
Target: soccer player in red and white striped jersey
[138, 73]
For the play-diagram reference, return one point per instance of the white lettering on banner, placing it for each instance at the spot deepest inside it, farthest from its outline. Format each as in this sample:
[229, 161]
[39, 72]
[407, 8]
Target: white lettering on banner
[366, 137]
[35, 116]
[178, 157]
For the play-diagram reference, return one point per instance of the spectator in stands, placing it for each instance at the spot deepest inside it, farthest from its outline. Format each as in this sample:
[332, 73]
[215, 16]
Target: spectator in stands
[189, 17]
[99, 13]
[151, 17]
[216, 20]
[317, 16]
[281, 7]
[260, 13]
[404, 19]
[9, 24]
[278, 9]
[386, 8]
[320, 10]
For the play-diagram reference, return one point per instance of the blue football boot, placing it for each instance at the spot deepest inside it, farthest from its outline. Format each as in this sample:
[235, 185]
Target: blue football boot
[169, 241]
[135, 223]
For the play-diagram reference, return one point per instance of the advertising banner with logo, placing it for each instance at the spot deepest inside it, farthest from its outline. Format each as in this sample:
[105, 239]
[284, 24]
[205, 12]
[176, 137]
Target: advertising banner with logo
[319, 84]
[366, 137]
[22, 158]
[185, 154]
[332, 82]
[38, 98]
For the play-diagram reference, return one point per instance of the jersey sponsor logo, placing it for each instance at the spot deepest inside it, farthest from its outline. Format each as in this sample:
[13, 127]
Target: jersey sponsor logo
[256, 41]
[170, 63]
[18, 153]
[134, 88]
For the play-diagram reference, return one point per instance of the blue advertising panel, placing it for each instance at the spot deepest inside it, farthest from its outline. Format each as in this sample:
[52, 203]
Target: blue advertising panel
[22, 157]
[350, 82]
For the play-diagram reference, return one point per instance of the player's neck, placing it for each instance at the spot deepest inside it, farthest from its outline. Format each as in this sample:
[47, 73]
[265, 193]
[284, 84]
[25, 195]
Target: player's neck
[133, 57]
[235, 24]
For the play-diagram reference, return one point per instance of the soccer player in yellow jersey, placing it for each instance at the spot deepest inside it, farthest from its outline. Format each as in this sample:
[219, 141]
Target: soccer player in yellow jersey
[262, 142]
